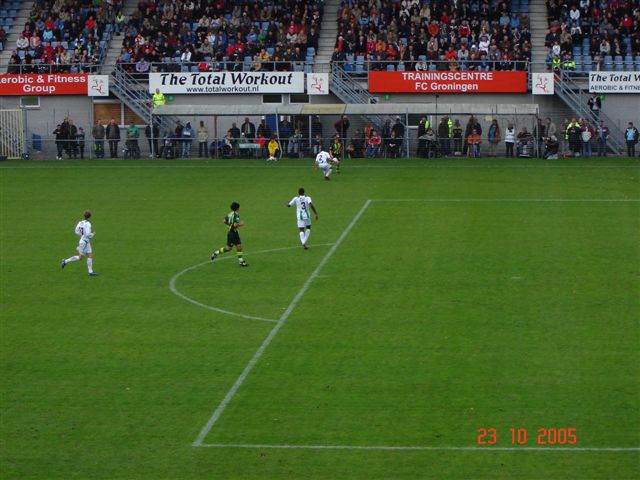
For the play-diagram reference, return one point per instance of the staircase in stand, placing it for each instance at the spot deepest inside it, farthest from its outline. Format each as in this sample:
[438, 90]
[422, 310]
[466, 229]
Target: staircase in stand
[136, 96]
[576, 98]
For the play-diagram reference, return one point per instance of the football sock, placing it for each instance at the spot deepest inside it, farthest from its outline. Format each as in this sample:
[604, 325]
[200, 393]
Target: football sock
[90, 264]
[302, 238]
[72, 259]
[307, 233]
[220, 251]
[240, 258]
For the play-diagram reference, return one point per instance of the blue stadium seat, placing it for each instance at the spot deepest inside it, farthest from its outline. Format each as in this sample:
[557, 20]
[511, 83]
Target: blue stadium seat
[401, 67]
[359, 68]
[391, 67]
[311, 52]
[308, 69]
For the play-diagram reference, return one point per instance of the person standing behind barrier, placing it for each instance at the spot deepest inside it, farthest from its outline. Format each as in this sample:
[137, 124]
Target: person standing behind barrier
[564, 135]
[457, 138]
[80, 139]
[574, 129]
[98, 133]
[586, 135]
[550, 128]
[248, 129]
[494, 137]
[443, 136]
[474, 140]
[471, 124]
[152, 134]
[187, 140]
[602, 132]
[113, 136]
[177, 139]
[59, 141]
[539, 134]
[631, 137]
[509, 139]
[342, 127]
[398, 129]
[203, 140]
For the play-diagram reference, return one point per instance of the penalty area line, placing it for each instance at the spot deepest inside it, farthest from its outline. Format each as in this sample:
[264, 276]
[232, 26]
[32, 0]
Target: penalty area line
[267, 341]
[422, 448]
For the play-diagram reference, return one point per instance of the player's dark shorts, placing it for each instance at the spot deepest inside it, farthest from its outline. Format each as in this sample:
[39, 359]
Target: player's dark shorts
[233, 238]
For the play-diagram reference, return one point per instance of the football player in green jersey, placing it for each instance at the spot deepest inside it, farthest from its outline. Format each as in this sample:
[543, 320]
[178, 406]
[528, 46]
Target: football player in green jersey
[232, 220]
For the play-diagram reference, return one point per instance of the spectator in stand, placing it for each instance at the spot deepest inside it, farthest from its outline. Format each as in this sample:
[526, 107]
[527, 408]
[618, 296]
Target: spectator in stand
[373, 147]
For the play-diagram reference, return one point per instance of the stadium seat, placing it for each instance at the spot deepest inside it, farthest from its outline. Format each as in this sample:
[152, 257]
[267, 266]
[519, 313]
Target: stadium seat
[311, 52]
[401, 67]
[391, 67]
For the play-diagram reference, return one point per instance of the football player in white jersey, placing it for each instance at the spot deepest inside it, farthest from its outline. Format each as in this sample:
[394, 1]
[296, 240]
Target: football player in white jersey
[303, 217]
[323, 162]
[83, 230]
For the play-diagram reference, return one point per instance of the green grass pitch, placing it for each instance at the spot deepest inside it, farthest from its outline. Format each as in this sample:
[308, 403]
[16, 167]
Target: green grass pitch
[468, 294]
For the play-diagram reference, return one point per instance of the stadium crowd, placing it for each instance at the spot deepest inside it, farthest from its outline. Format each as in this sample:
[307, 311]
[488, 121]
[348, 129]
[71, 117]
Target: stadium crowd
[593, 33]
[207, 35]
[435, 35]
[64, 36]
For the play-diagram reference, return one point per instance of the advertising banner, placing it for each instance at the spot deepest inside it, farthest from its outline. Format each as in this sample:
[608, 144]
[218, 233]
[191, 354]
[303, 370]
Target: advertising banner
[614, 82]
[227, 82]
[44, 84]
[447, 82]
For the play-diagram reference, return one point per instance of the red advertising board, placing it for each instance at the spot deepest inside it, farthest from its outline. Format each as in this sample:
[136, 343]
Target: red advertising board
[44, 84]
[447, 82]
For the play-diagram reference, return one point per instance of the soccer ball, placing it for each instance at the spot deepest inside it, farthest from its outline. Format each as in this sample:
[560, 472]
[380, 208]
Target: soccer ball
[272, 159]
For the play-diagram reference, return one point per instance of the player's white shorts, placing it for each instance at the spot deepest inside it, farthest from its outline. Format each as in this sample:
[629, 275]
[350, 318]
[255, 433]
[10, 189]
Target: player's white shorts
[324, 166]
[304, 223]
[84, 248]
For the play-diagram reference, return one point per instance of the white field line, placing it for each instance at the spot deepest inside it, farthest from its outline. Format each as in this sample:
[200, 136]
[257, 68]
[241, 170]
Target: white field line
[283, 318]
[175, 291]
[510, 200]
[423, 448]
[51, 164]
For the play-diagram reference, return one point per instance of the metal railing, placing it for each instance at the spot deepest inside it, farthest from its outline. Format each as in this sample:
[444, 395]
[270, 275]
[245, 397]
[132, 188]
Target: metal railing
[576, 98]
